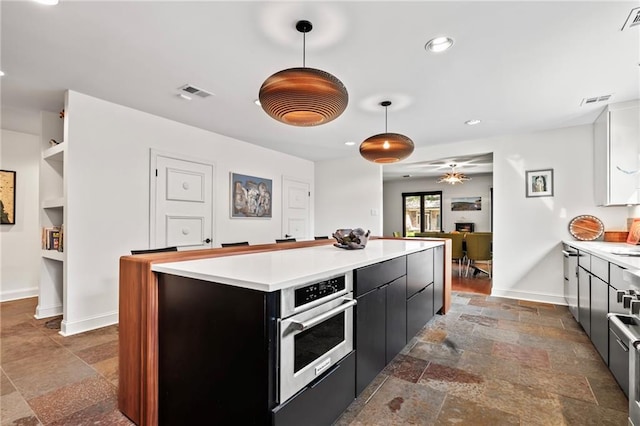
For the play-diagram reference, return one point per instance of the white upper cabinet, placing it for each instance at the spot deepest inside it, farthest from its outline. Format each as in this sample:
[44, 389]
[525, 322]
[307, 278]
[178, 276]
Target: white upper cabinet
[617, 155]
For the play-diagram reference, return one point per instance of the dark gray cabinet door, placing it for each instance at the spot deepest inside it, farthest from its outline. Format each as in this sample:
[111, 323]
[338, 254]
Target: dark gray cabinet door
[419, 310]
[584, 297]
[619, 359]
[396, 317]
[370, 336]
[419, 271]
[438, 279]
[599, 321]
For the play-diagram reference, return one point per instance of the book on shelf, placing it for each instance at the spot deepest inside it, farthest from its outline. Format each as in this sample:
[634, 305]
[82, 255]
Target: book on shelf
[53, 238]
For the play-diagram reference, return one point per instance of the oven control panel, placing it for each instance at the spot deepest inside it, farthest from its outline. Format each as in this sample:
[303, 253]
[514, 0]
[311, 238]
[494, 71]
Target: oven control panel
[312, 292]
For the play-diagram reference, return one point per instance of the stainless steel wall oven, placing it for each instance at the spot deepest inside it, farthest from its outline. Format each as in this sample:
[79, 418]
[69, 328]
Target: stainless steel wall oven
[315, 331]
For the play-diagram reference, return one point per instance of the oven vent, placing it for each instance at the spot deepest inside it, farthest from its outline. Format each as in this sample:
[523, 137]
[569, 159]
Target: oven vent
[192, 90]
[595, 99]
[633, 20]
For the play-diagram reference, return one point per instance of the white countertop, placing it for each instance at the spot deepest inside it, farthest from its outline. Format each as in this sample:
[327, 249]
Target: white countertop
[275, 270]
[610, 252]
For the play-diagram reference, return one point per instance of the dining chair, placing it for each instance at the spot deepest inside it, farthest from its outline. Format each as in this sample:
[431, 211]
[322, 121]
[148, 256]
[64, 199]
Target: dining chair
[457, 247]
[240, 243]
[479, 249]
[286, 240]
[154, 250]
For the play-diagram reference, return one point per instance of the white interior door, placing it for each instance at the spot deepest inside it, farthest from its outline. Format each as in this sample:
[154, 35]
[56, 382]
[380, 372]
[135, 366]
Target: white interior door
[295, 208]
[181, 202]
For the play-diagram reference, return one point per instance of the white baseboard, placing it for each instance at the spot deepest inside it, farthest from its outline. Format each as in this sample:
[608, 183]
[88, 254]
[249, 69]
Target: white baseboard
[68, 328]
[51, 311]
[530, 296]
[6, 296]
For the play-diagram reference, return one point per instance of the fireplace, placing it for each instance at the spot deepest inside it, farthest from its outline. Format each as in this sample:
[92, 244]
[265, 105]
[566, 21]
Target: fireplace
[464, 226]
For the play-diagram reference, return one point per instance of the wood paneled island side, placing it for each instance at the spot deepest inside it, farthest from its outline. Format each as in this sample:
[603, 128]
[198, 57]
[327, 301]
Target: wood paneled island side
[138, 312]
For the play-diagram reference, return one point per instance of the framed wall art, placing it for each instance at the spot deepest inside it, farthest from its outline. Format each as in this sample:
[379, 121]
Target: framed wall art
[250, 196]
[539, 183]
[466, 203]
[7, 197]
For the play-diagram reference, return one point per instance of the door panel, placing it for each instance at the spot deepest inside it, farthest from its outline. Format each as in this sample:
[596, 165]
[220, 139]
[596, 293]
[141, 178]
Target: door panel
[184, 231]
[181, 202]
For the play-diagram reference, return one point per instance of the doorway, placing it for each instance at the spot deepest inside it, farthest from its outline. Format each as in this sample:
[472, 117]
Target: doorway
[295, 208]
[181, 202]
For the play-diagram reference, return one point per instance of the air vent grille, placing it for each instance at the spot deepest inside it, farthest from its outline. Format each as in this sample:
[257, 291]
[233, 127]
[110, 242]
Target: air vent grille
[192, 90]
[633, 20]
[595, 99]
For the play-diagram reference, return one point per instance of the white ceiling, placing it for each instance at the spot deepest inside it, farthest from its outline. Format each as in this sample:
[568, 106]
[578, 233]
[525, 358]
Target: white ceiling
[517, 66]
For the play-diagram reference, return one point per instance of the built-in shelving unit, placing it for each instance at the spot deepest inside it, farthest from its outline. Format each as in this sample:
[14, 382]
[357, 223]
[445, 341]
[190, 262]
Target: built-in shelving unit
[52, 213]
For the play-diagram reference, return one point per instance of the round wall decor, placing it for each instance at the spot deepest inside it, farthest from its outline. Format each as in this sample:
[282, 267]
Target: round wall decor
[586, 228]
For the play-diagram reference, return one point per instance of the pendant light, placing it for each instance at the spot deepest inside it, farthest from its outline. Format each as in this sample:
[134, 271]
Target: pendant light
[386, 147]
[453, 177]
[303, 96]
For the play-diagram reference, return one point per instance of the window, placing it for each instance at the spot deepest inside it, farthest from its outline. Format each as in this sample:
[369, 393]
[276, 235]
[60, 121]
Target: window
[421, 212]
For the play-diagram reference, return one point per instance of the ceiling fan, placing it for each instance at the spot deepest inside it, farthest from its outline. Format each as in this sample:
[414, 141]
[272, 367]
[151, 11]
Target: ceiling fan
[453, 177]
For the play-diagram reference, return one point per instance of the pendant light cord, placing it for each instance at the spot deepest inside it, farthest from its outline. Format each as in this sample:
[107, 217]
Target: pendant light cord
[304, 46]
[385, 119]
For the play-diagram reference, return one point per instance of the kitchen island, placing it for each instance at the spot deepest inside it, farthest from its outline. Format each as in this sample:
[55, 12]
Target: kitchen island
[260, 271]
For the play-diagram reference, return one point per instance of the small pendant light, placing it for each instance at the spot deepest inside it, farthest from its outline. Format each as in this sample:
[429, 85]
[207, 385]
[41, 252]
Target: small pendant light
[303, 96]
[386, 147]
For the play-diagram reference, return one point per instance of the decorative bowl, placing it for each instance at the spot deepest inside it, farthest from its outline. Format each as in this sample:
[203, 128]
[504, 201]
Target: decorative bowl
[351, 239]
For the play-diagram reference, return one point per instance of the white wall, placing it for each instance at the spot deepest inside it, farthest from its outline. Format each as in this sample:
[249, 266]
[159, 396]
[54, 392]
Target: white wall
[348, 195]
[108, 195]
[528, 231]
[478, 186]
[20, 243]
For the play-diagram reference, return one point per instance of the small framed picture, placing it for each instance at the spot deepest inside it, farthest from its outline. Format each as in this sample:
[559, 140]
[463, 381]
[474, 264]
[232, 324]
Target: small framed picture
[7, 197]
[539, 183]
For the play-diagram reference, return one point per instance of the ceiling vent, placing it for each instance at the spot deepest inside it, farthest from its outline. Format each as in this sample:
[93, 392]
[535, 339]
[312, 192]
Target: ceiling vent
[595, 99]
[633, 20]
[192, 90]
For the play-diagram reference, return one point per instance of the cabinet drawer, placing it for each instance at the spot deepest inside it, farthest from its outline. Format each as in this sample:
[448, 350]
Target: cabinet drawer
[584, 260]
[615, 277]
[600, 268]
[419, 271]
[323, 401]
[370, 277]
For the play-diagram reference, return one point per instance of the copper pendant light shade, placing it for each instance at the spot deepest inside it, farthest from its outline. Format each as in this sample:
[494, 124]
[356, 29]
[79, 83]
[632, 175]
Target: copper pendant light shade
[386, 147]
[303, 96]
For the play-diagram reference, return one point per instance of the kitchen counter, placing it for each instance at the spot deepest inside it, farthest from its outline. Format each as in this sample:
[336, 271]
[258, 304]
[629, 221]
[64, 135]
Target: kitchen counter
[622, 254]
[275, 270]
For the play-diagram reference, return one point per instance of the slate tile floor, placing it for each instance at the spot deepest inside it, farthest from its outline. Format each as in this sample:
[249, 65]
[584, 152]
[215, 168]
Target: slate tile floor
[489, 361]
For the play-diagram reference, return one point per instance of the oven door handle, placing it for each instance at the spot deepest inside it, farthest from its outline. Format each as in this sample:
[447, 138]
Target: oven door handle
[303, 325]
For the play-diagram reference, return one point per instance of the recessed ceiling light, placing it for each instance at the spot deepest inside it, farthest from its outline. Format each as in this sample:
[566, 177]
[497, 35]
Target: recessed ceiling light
[472, 122]
[350, 143]
[1, 73]
[257, 102]
[47, 2]
[439, 44]
[183, 96]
